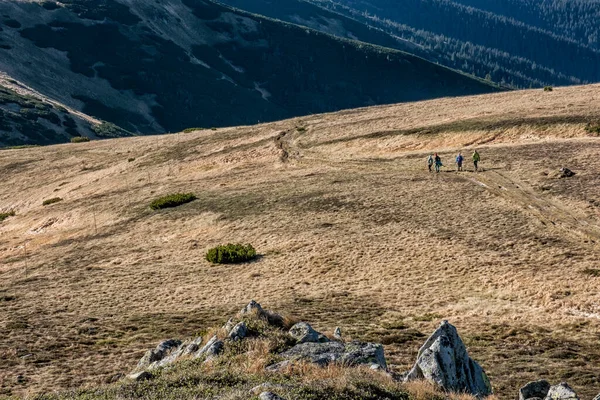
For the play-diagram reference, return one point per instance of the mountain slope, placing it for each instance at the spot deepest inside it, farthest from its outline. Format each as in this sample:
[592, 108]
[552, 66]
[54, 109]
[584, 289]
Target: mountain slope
[28, 118]
[522, 43]
[352, 229]
[167, 65]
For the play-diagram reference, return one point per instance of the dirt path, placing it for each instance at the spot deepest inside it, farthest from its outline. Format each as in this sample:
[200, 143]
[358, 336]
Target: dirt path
[551, 213]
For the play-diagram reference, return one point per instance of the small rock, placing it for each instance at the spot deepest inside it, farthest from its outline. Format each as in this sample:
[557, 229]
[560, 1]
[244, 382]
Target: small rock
[253, 308]
[238, 332]
[141, 376]
[597, 397]
[269, 396]
[304, 333]
[192, 347]
[536, 389]
[337, 333]
[561, 392]
[566, 173]
[211, 349]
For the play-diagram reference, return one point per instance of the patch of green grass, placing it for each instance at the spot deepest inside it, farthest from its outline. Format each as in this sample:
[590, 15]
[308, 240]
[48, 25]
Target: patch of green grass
[80, 139]
[231, 254]
[51, 201]
[172, 200]
[5, 215]
[548, 88]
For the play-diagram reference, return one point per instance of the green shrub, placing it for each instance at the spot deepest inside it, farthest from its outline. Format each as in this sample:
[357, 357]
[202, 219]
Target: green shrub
[172, 200]
[80, 139]
[132, 159]
[5, 215]
[592, 272]
[188, 130]
[593, 128]
[231, 254]
[51, 201]
[109, 130]
[548, 88]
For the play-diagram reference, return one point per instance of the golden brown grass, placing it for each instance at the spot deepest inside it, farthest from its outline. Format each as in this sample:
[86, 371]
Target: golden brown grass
[351, 228]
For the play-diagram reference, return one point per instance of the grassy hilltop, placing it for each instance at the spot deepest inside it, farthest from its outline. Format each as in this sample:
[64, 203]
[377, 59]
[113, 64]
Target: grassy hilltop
[350, 230]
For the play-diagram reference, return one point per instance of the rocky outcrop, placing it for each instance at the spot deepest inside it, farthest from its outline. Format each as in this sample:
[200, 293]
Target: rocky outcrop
[304, 333]
[597, 397]
[154, 357]
[534, 390]
[443, 360]
[561, 391]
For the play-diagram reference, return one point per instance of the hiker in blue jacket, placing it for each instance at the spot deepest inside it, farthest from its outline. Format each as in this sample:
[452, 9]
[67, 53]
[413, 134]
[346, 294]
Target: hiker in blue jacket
[459, 161]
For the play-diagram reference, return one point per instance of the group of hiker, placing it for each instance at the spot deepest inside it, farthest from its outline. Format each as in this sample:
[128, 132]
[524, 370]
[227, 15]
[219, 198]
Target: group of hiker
[436, 161]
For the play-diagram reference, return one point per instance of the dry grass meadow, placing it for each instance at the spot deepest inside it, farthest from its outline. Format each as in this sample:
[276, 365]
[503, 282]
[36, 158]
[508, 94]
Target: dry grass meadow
[351, 228]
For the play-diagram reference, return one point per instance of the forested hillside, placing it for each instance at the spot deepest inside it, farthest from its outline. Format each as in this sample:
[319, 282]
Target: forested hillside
[521, 43]
[152, 67]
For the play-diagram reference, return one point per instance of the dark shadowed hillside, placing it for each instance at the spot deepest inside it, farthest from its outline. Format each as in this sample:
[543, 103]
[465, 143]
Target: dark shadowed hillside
[517, 42]
[167, 65]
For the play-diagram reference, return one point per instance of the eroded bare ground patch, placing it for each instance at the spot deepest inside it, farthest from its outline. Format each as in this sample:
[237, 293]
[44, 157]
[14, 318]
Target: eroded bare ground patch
[352, 233]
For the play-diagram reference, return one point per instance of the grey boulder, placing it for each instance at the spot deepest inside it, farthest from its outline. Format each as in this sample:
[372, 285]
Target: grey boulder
[443, 360]
[211, 349]
[597, 397]
[534, 390]
[351, 354]
[269, 396]
[561, 391]
[304, 333]
[238, 332]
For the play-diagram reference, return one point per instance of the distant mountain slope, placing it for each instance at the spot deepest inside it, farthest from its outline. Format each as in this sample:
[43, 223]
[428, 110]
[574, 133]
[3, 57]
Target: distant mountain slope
[519, 42]
[163, 66]
[27, 118]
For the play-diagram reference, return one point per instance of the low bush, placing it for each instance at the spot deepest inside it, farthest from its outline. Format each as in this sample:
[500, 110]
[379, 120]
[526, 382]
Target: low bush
[5, 215]
[231, 254]
[189, 130]
[172, 200]
[548, 88]
[80, 139]
[593, 128]
[51, 201]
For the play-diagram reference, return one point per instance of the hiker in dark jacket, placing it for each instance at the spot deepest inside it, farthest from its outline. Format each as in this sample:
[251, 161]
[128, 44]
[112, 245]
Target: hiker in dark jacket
[476, 159]
[438, 162]
[430, 162]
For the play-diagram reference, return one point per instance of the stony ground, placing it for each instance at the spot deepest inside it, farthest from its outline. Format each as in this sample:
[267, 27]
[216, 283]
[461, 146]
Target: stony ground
[351, 228]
